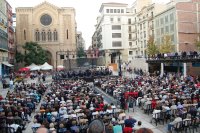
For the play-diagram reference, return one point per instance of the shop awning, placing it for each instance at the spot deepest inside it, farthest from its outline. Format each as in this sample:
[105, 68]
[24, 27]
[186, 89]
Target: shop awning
[7, 64]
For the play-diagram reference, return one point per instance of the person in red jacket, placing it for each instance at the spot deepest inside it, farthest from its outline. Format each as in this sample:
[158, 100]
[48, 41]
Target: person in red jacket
[127, 130]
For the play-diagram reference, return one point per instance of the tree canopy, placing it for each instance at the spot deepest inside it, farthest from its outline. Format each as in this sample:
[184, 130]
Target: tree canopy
[152, 48]
[197, 43]
[166, 45]
[81, 52]
[33, 54]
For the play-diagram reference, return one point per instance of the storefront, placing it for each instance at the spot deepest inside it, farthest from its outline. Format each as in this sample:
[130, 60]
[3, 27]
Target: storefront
[5, 68]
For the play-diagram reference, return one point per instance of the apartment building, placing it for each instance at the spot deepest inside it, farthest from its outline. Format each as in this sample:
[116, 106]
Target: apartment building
[4, 65]
[144, 12]
[10, 31]
[111, 34]
[181, 21]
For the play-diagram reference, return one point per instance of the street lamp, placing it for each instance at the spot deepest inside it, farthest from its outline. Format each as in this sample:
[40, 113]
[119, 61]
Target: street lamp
[120, 68]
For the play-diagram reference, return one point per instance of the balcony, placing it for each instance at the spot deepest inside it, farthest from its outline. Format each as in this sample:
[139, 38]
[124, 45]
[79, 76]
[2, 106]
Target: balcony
[3, 46]
[133, 47]
[11, 50]
[11, 41]
[11, 61]
[150, 18]
[3, 34]
[151, 27]
[11, 29]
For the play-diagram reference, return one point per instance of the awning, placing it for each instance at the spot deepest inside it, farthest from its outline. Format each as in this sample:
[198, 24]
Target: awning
[7, 64]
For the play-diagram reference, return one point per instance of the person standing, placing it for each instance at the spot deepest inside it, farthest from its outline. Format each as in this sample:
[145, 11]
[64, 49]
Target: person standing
[11, 84]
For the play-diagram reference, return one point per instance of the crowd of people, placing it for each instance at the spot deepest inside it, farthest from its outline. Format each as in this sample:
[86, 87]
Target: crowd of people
[72, 105]
[169, 98]
[17, 107]
[64, 74]
[176, 55]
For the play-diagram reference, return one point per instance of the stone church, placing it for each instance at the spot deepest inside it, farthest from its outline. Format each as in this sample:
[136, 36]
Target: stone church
[54, 28]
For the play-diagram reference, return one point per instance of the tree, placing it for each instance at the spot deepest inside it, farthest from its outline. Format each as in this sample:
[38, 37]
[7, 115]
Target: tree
[19, 57]
[166, 45]
[152, 48]
[197, 43]
[34, 53]
[81, 52]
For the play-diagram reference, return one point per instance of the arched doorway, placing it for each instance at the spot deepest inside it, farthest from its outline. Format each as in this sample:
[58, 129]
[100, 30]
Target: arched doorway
[49, 57]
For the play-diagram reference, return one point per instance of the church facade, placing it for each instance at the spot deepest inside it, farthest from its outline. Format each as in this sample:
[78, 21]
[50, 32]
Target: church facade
[52, 27]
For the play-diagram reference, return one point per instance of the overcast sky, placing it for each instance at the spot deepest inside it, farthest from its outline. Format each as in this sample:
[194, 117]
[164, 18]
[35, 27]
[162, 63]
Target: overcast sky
[86, 11]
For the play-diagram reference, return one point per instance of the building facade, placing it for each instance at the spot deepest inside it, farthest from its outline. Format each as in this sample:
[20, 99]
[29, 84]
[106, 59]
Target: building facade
[181, 21]
[53, 28]
[10, 31]
[111, 34]
[4, 68]
[144, 27]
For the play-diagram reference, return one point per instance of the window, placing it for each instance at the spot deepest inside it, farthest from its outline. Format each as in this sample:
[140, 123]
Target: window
[171, 17]
[172, 28]
[116, 43]
[129, 36]
[130, 44]
[161, 21]
[43, 34]
[166, 29]
[107, 10]
[24, 34]
[122, 10]
[145, 43]
[116, 27]
[111, 10]
[129, 28]
[144, 34]
[55, 35]
[166, 19]
[118, 10]
[130, 52]
[129, 21]
[49, 36]
[157, 22]
[115, 10]
[172, 38]
[111, 19]
[162, 31]
[140, 26]
[37, 35]
[158, 32]
[118, 19]
[116, 35]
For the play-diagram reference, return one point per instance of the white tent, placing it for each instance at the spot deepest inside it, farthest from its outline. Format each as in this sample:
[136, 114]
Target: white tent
[32, 65]
[35, 68]
[46, 66]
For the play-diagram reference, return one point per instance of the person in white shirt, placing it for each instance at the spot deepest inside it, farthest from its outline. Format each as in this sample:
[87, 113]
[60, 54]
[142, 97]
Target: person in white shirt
[138, 126]
[11, 84]
[171, 124]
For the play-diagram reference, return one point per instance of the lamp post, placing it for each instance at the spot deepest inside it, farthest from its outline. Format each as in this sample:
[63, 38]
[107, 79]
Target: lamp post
[120, 68]
[56, 61]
